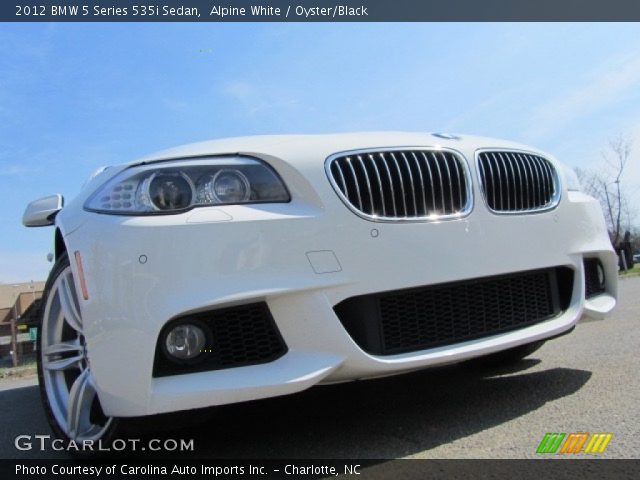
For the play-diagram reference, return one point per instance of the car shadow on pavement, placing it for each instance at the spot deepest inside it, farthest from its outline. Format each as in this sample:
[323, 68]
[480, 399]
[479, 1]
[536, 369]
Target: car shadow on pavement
[385, 418]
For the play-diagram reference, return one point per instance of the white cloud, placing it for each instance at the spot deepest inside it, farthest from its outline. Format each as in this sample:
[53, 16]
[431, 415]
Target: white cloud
[245, 94]
[175, 105]
[15, 169]
[606, 86]
[240, 90]
[255, 100]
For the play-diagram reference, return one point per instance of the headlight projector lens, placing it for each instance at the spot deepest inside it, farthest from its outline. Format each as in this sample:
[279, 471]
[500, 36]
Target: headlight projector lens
[185, 341]
[170, 191]
[230, 186]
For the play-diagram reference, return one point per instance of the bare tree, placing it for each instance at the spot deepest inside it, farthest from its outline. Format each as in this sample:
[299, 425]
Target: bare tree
[621, 148]
[605, 184]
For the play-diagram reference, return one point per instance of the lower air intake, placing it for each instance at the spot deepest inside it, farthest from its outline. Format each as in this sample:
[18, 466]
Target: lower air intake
[427, 317]
[593, 277]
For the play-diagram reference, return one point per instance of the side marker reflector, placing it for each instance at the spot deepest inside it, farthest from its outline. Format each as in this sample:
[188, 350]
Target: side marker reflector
[83, 282]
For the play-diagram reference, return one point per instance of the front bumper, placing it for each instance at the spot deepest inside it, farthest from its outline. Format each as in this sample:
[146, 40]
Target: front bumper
[302, 259]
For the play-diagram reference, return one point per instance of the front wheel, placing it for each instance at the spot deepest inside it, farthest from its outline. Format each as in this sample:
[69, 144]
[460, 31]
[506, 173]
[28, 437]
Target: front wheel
[67, 388]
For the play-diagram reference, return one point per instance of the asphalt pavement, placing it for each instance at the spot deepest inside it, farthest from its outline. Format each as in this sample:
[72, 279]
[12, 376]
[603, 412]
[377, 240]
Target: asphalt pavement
[587, 381]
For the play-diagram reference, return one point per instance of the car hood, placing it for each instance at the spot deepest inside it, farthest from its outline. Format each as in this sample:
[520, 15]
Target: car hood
[296, 148]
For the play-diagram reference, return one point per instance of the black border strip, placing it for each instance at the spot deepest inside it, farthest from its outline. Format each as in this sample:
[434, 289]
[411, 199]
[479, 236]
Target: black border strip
[366, 469]
[326, 11]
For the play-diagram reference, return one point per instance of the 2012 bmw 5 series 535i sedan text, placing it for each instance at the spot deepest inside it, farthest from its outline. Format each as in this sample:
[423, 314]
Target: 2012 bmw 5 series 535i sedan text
[246, 268]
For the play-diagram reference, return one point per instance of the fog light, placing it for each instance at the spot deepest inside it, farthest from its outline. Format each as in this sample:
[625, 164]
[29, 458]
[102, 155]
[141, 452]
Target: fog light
[185, 341]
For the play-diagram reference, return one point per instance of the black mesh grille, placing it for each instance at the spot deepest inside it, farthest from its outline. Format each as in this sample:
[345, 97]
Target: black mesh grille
[592, 284]
[236, 336]
[516, 181]
[416, 319]
[402, 184]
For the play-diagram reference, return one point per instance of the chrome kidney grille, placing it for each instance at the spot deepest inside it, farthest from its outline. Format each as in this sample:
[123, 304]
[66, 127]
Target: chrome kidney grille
[517, 182]
[403, 184]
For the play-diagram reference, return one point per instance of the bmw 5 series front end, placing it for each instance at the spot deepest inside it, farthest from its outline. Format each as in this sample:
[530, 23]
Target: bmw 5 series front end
[247, 268]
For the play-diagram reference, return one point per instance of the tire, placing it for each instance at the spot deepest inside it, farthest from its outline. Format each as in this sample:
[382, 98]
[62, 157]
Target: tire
[510, 356]
[67, 391]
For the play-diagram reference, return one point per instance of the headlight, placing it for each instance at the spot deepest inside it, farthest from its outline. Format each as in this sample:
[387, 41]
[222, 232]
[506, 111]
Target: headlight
[177, 186]
[571, 179]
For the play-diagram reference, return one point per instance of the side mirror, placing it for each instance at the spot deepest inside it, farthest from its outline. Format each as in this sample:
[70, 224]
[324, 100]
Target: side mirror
[41, 212]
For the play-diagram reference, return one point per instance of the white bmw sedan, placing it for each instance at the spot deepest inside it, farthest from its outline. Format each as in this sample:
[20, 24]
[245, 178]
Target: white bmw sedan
[247, 268]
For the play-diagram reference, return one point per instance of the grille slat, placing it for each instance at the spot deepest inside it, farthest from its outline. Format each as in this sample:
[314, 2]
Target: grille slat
[393, 192]
[538, 184]
[543, 170]
[431, 184]
[446, 164]
[380, 188]
[344, 187]
[527, 181]
[533, 191]
[427, 317]
[491, 178]
[402, 184]
[517, 182]
[355, 181]
[403, 195]
[425, 209]
[412, 184]
[440, 182]
[520, 184]
[549, 176]
[508, 173]
[543, 180]
[499, 180]
[366, 175]
[459, 186]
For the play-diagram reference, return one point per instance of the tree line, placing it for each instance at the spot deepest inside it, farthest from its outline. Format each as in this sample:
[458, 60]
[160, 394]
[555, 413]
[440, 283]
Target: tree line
[606, 183]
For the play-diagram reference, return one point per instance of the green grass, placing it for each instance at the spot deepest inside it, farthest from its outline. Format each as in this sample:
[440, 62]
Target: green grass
[26, 368]
[635, 271]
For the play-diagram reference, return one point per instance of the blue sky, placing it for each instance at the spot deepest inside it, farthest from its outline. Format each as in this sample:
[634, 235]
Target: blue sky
[74, 97]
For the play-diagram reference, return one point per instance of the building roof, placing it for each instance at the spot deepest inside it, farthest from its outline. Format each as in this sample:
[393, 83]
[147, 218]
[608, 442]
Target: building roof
[9, 292]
